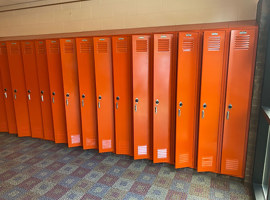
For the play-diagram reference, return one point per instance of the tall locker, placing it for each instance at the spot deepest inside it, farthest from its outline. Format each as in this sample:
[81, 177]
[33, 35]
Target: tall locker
[122, 76]
[238, 101]
[104, 93]
[45, 96]
[188, 77]
[86, 71]
[32, 87]
[142, 97]
[212, 99]
[57, 91]
[7, 89]
[71, 91]
[164, 85]
[19, 88]
[3, 116]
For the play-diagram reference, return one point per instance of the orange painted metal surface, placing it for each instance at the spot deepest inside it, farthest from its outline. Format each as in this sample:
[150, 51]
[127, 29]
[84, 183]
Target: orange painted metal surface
[71, 91]
[19, 88]
[122, 76]
[32, 87]
[212, 99]
[163, 98]
[188, 80]
[7, 89]
[104, 93]
[142, 96]
[86, 71]
[57, 91]
[44, 85]
[3, 114]
[238, 101]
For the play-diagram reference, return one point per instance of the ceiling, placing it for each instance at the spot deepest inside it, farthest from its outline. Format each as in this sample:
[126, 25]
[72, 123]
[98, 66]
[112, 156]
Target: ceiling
[16, 2]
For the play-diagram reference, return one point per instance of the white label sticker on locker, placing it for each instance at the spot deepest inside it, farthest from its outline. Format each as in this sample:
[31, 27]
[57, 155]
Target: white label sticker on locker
[75, 139]
[142, 150]
[162, 153]
[106, 144]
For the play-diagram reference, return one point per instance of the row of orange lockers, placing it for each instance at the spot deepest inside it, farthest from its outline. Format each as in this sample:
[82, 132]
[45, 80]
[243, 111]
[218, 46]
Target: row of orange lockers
[139, 95]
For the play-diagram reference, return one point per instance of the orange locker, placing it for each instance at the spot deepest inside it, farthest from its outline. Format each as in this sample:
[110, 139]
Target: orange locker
[45, 97]
[7, 89]
[3, 116]
[19, 88]
[188, 80]
[163, 97]
[212, 99]
[57, 91]
[32, 87]
[86, 71]
[71, 91]
[142, 97]
[104, 93]
[122, 76]
[238, 101]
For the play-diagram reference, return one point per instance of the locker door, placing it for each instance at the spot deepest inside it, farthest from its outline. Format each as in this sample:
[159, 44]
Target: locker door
[43, 79]
[238, 101]
[7, 89]
[19, 88]
[3, 116]
[86, 70]
[142, 97]
[122, 76]
[104, 93]
[57, 91]
[164, 69]
[212, 95]
[32, 88]
[188, 77]
[71, 91]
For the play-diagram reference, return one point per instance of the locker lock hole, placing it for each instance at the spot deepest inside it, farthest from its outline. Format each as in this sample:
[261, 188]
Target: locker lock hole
[180, 104]
[15, 90]
[83, 96]
[42, 92]
[67, 95]
[230, 106]
[99, 97]
[5, 89]
[157, 101]
[29, 91]
[204, 105]
[117, 98]
[136, 100]
[53, 93]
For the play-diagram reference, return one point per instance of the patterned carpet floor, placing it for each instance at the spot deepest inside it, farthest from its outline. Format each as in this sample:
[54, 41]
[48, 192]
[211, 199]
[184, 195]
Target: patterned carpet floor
[37, 169]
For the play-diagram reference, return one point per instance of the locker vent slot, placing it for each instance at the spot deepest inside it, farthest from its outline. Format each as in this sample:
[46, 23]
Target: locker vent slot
[188, 44]
[183, 158]
[68, 48]
[122, 46]
[54, 48]
[142, 150]
[214, 43]
[102, 47]
[3, 50]
[242, 42]
[161, 153]
[85, 48]
[232, 164]
[163, 45]
[91, 142]
[207, 161]
[15, 49]
[28, 49]
[41, 49]
[106, 144]
[141, 45]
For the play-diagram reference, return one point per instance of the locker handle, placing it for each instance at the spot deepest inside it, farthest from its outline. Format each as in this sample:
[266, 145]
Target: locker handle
[67, 95]
[67, 102]
[136, 108]
[5, 95]
[116, 105]
[83, 96]
[29, 95]
[99, 104]
[179, 112]
[15, 96]
[202, 114]
[42, 92]
[53, 99]
[155, 109]
[228, 115]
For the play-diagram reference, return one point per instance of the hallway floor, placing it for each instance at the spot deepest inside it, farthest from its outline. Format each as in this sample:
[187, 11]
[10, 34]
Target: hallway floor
[37, 169]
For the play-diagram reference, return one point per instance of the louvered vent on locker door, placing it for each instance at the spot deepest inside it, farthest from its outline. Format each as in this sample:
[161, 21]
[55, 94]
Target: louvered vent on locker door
[102, 47]
[85, 47]
[122, 45]
[15, 49]
[188, 44]
[163, 45]
[214, 43]
[232, 164]
[28, 49]
[68, 47]
[41, 48]
[54, 47]
[207, 161]
[242, 42]
[141, 45]
[183, 158]
[3, 50]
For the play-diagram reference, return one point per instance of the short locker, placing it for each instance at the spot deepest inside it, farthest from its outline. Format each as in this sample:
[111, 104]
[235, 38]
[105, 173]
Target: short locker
[188, 80]
[45, 95]
[86, 71]
[71, 91]
[19, 88]
[142, 96]
[3, 116]
[163, 97]
[122, 76]
[238, 101]
[57, 91]
[32, 87]
[212, 99]
[104, 93]
[7, 89]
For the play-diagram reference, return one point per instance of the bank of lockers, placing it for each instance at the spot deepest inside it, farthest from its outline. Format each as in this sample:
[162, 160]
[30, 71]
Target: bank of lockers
[3, 116]
[6, 91]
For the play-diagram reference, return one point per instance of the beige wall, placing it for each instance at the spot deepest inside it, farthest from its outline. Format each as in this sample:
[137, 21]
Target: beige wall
[119, 14]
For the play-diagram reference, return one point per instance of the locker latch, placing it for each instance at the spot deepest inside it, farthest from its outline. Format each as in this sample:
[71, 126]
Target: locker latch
[42, 92]
[67, 96]
[136, 104]
[29, 94]
[179, 110]
[83, 96]
[228, 112]
[15, 96]
[5, 93]
[204, 107]
[116, 104]
[99, 98]
[157, 102]
[53, 94]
